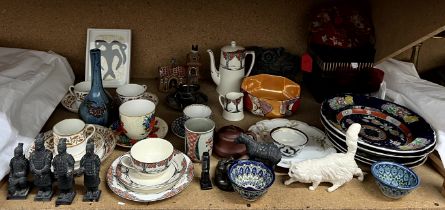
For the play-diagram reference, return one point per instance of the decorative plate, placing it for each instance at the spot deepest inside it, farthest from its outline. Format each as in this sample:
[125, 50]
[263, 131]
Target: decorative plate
[159, 131]
[178, 127]
[157, 184]
[119, 189]
[68, 102]
[103, 136]
[318, 145]
[386, 126]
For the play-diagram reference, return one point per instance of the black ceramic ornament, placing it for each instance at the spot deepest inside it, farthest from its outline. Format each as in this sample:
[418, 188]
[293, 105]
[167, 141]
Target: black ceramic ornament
[40, 165]
[18, 185]
[63, 164]
[267, 153]
[221, 178]
[205, 182]
[90, 166]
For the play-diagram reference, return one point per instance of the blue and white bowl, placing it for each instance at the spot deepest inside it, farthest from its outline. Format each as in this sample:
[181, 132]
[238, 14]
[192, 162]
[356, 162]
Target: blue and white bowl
[394, 180]
[251, 179]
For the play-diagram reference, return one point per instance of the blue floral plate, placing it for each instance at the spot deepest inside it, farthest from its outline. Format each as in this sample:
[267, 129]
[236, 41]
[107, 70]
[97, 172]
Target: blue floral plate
[386, 126]
[178, 127]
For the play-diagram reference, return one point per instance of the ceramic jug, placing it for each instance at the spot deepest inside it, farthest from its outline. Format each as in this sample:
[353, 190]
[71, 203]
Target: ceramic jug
[96, 107]
[231, 71]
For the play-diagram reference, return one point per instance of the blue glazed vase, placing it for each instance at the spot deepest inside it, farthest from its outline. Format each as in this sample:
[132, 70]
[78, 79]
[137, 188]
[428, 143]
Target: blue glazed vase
[96, 107]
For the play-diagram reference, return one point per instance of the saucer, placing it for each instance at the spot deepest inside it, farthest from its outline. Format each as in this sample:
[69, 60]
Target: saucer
[102, 136]
[159, 131]
[173, 103]
[178, 127]
[69, 102]
[121, 190]
[140, 183]
[318, 145]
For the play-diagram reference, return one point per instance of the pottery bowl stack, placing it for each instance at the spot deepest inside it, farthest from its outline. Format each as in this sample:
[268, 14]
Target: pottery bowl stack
[251, 179]
[394, 180]
[390, 132]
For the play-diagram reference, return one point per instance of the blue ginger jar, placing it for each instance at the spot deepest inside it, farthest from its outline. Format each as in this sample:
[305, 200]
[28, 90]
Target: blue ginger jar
[97, 105]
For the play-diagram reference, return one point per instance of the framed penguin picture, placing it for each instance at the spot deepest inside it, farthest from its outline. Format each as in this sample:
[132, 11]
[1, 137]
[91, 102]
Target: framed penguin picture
[115, 48]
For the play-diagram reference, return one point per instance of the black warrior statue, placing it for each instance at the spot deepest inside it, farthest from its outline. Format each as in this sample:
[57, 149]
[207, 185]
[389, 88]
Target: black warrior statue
[63, 164]
[18, 187]
[90, 166]
[40, 165]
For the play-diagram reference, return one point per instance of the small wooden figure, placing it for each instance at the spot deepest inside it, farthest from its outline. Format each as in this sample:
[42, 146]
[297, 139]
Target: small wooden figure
[63, 164]
[40, 165]
[221, 179]
[337, 168]
[90, 166]
[267, 153]
[18, 187]
[205, 182]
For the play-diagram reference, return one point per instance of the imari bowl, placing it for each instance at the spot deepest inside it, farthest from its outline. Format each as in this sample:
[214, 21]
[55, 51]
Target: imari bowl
[251, 179]
[394, 180]
[386, 127]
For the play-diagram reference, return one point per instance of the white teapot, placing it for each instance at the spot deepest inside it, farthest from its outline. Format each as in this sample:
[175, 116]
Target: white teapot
[230, 73]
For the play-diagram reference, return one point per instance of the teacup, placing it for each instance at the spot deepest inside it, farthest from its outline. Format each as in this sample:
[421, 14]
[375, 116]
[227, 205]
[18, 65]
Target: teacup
[198, 137]
[186, 94]
[149, 157]
[290, 141]
[196, 111]
[80, 90]
[137, 118]
[76, 133]
[130, 92]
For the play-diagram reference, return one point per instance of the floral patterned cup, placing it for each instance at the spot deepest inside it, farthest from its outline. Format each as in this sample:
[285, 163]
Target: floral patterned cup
[76, 133]
[137, 118]
[149, 157]
[198, 137]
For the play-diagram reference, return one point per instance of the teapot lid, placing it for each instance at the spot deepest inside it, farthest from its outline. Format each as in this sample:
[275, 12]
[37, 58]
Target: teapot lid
[232, 47]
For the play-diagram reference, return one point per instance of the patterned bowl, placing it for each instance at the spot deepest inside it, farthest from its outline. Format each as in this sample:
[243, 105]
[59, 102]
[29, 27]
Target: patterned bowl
[271, 96]
[394, 180]
[251, 179]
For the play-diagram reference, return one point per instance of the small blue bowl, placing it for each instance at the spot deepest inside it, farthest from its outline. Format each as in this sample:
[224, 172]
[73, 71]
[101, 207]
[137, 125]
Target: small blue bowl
[394, 180]
[251, 179]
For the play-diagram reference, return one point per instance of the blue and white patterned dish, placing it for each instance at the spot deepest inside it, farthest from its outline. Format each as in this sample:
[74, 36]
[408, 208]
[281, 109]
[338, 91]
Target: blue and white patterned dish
[251, 179]
[394, 180]
[178, 127]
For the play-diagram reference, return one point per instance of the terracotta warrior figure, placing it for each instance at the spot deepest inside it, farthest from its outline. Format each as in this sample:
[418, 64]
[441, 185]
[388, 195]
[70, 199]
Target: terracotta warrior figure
[63, 164]
[90, 166]
[40, 165]
[18, 187]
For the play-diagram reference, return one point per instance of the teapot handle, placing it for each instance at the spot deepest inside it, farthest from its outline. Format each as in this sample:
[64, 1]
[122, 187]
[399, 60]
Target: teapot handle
[253, 61]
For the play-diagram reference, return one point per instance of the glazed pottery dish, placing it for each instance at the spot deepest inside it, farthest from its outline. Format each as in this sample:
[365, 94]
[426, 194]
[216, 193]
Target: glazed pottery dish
[130, 92]
[198, 137]
[75, 133]
[159, 130]
[251, 179]
[271, 96]
[137, 118]
[79, 91]
[394, 180]
[387, 127]
[104, 143]
[318, 145]
[290, 141]
[149, 157]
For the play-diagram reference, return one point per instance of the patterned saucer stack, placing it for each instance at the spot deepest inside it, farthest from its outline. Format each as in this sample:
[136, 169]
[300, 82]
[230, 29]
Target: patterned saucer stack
[390, 132]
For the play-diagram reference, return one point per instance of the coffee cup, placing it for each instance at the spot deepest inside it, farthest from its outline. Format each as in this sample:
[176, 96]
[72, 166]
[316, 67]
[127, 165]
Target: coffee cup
[76, 133]
[80, 91]
[198, 137]
[130, 92]
[289, 140]
[187, 94]
[232, 104]
[196, 111]
[149, 157]
[137, 118]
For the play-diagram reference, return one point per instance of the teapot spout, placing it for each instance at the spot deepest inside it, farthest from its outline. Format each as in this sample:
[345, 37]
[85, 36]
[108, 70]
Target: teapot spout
[214, 71]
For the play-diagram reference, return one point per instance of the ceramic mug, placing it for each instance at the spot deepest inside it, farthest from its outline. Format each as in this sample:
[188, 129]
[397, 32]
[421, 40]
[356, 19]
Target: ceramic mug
[80, 90]
[198, 137]
[137, 118]
[196, 111]
[232, 104]
[76, 133]
[289, 140]
[149, 157]
[130, 92]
